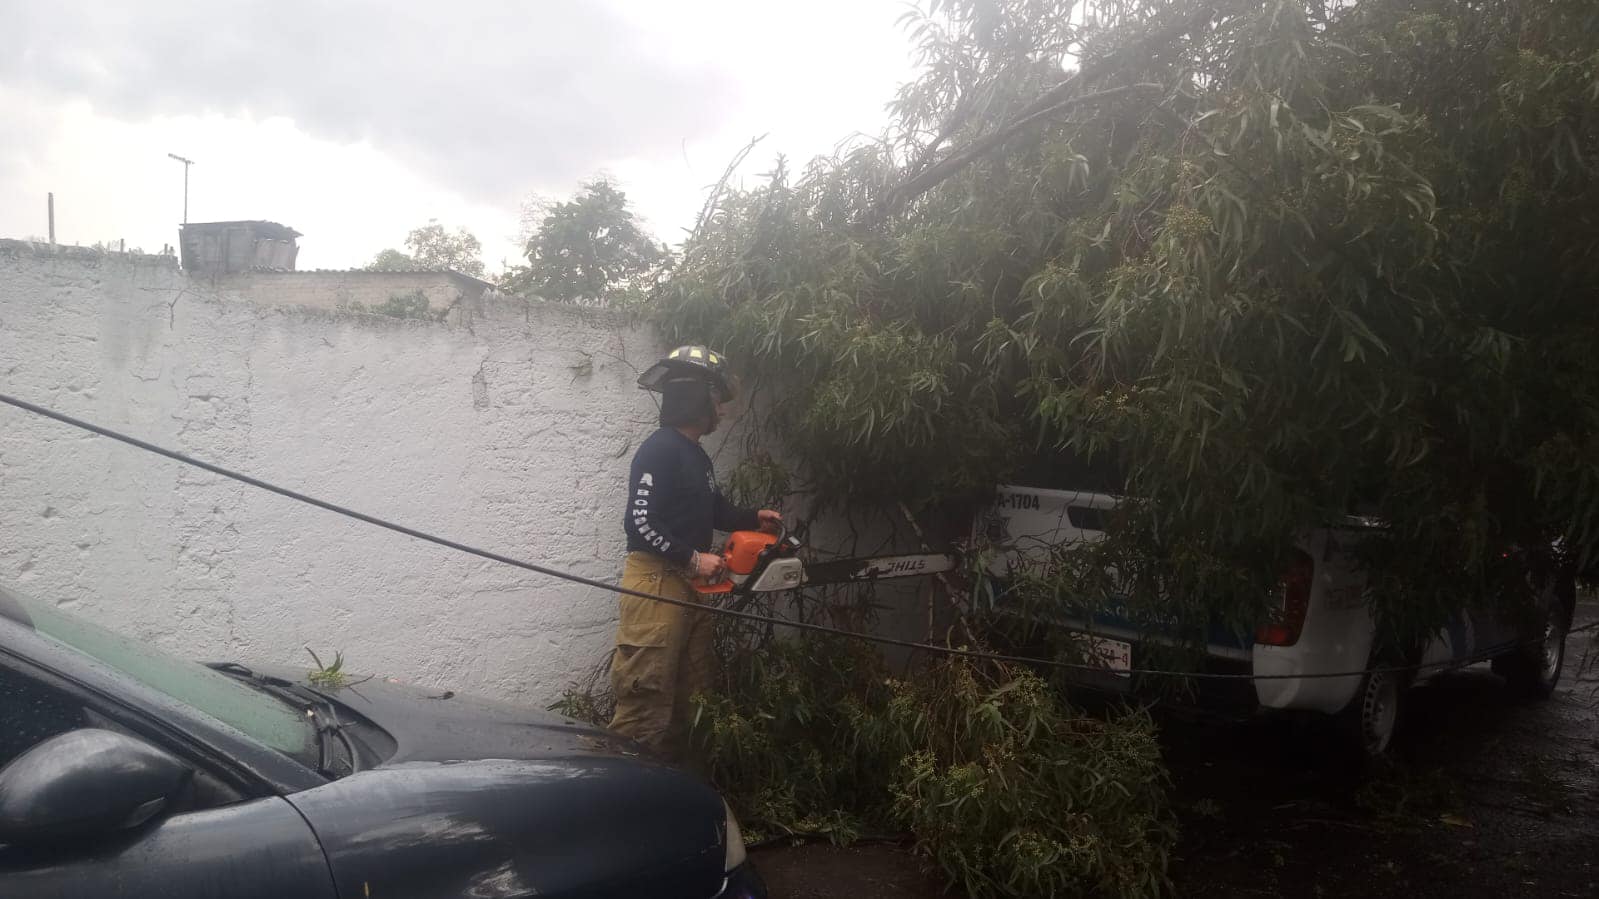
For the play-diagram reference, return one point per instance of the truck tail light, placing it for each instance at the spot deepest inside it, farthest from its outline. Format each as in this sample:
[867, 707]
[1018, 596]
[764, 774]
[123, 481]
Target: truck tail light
[1288, 619]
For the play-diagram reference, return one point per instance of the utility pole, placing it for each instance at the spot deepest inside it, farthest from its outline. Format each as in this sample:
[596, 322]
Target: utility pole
[186, 164]
[50, 199]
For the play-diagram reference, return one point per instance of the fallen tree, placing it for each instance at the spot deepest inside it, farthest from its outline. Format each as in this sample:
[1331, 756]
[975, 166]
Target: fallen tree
[1279, 260]
[1276, 261]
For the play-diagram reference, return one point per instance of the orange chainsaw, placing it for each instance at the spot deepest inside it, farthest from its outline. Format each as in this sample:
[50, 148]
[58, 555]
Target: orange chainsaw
[758, 562]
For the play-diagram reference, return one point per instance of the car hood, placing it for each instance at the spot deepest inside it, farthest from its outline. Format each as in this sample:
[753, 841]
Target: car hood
[440, 725]
[487, 799]
[580, 827]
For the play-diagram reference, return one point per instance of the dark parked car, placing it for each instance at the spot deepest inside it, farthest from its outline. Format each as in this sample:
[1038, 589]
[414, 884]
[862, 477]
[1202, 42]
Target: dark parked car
[127, 772]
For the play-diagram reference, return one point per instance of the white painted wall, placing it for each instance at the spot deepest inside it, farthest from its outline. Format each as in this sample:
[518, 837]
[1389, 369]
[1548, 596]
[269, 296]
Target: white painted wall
[339, 291]
[512, 430]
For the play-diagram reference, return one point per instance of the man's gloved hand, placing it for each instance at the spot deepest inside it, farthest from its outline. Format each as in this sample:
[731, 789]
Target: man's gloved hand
[771, 521]
[706, 565]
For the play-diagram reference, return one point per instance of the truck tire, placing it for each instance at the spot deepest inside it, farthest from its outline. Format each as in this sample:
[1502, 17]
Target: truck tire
[1532, 669]
[1368, 724]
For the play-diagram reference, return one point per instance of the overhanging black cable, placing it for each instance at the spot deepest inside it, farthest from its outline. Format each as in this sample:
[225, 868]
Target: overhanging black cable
[688, 604]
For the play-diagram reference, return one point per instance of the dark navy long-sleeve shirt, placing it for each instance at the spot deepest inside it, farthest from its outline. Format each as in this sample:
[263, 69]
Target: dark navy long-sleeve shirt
[673, 504]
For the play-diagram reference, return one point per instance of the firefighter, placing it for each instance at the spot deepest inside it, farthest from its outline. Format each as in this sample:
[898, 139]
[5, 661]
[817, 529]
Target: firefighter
[663, 652]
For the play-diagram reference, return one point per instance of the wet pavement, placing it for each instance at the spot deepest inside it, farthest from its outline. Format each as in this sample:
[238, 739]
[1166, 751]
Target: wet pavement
[1486, 796]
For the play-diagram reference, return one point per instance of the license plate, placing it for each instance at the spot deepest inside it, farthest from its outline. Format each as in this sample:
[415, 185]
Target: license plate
[1115, 656]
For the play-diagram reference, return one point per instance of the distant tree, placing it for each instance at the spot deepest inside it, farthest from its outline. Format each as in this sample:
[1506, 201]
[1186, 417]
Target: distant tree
[590, 249]
[432, 247]
[391, 260]
[530, 215]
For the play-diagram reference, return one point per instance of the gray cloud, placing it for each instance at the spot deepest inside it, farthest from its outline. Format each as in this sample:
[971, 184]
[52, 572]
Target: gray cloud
[487, 97]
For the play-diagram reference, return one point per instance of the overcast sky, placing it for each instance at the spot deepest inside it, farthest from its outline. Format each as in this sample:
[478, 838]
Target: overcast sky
[354, 122]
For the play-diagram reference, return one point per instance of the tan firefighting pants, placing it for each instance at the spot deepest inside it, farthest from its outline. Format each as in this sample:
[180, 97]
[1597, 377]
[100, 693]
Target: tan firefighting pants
[663, 656]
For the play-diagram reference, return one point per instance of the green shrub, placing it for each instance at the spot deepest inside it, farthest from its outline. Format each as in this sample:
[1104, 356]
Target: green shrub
[1010, 790]
[592, 705]
[413, 304]
[798, 741]
[1014, 793]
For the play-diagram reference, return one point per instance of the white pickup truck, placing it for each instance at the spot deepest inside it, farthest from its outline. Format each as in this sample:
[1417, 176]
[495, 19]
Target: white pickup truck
[1322, 625]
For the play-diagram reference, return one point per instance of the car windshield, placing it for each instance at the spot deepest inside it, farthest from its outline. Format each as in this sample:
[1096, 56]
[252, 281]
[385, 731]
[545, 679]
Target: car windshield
[266, 719]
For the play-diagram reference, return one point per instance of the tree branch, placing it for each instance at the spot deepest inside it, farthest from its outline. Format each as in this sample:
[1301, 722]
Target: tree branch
[1048, 103]
[958, 160]
[721, 185]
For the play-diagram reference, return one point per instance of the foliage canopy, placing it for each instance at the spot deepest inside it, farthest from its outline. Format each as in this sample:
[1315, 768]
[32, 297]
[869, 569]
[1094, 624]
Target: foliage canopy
[434, 247]
[591, 249]
[392, 260]
[1277, 260]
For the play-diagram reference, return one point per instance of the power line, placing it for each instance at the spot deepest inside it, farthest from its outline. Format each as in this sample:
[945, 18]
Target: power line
[688, 604]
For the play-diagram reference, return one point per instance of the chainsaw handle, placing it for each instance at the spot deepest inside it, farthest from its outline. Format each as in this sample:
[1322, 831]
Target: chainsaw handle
[744, 553]
[695, 560]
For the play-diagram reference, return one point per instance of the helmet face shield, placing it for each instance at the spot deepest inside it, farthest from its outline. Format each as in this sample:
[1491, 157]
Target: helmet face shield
[687, 400]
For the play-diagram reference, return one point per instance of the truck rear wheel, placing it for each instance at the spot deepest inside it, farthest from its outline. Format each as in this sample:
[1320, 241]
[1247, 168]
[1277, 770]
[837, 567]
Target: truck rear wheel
[1368, 724]
[1532, 670]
